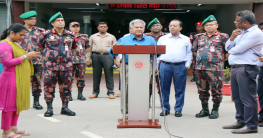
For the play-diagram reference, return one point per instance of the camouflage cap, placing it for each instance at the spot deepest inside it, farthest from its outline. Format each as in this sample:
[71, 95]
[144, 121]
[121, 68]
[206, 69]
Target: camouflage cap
[154, 21]
[28, 14]
[54, 17]
[74, 23]
[210, 18]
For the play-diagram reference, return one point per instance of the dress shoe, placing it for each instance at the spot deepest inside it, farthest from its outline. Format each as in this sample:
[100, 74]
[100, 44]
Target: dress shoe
[178, 114]
[65, 110]
[49, 111]
[204, 112]
[214, 114]
[93, 96]
[164, 113]
[233, 126]
[36, 104]
[244, 130]
[111, 96]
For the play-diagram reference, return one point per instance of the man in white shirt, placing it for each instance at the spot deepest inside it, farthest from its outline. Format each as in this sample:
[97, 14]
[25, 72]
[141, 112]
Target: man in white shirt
[174, 64]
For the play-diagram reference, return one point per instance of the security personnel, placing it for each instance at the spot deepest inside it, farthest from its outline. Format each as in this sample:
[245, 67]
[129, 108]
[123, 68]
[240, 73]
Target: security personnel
[156, 32]
[210, 56]
[56, 45]
[199, 29]
[29, 44]
[79, 58]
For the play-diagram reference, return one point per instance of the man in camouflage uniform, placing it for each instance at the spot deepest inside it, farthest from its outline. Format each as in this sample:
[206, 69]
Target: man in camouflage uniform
[56, 45]
[210, 56]
[28, 44]
[156, 32]
[79, 58]
[199, 29]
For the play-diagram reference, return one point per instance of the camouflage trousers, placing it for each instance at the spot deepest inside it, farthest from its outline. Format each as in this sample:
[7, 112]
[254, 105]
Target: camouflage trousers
[36, 80]
[207, 79]
[79, 73]
[64, 81]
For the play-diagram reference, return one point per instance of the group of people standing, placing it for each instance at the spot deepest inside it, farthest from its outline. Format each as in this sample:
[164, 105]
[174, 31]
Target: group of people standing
[27, 52]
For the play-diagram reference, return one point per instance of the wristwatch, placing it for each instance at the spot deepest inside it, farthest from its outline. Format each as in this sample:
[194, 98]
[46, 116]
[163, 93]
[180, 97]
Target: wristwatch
[25, 57]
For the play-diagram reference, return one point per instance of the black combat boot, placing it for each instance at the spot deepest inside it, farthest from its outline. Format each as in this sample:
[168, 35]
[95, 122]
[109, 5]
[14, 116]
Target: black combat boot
[49, 111]
[65, 110]
[80, 96]
[70, 98]
[204, 112]
[36, 104]
[214, 113]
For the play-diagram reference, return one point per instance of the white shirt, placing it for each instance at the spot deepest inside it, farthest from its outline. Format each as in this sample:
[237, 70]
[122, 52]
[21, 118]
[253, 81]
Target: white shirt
[242, 48]
[177, 49]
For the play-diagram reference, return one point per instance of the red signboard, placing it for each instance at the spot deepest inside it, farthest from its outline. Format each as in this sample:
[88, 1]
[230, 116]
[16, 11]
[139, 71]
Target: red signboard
[142, 6]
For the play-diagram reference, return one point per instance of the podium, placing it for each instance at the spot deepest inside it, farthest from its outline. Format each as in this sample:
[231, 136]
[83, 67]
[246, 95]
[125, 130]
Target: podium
[138, 84]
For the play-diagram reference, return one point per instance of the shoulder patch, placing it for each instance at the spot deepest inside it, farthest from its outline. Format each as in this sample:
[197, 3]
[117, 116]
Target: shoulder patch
[46, 32]
[223, 34]
[71, 33]
[40, 29]
[84, 35]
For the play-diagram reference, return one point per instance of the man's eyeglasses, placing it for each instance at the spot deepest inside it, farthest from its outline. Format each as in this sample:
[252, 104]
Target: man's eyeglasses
[209, 25]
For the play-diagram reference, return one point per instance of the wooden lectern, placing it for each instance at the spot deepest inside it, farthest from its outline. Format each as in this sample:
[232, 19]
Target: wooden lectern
[138, 85]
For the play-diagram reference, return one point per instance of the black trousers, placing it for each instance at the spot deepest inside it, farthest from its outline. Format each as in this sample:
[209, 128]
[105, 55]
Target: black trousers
[106, 62]
[243, 86]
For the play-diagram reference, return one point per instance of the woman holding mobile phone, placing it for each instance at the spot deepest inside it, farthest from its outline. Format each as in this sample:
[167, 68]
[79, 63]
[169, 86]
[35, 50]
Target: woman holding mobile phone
[14, 80]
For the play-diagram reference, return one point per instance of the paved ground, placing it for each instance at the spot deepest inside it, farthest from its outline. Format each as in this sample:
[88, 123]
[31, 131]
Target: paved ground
[97, 118]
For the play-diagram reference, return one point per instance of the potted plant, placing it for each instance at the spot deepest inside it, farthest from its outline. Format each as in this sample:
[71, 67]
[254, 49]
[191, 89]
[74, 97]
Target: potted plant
[227, 87]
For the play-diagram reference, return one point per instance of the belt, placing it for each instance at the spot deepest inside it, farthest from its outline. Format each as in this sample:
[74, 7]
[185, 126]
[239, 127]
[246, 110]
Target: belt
[240, 65]
[101, 53]
[171, 63]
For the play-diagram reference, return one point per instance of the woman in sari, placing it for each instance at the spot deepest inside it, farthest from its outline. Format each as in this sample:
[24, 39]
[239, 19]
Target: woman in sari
[14, 80]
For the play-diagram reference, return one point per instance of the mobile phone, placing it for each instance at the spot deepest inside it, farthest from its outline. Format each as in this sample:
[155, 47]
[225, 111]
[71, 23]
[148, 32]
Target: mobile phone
[3, 54]
[259, 55]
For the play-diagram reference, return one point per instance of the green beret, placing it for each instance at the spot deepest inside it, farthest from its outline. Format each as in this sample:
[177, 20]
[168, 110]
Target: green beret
[209, 19]
[54, 17]
[154, 21]
[28, 14]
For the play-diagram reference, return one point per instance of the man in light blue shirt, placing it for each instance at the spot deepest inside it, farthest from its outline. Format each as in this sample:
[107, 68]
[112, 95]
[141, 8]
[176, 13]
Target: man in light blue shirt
[243, 43]
[137, 37]
[174, 64]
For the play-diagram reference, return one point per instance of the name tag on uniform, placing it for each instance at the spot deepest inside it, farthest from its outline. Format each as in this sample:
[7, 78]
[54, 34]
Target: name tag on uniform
[66, 47]
[212, 48]
[80, 47]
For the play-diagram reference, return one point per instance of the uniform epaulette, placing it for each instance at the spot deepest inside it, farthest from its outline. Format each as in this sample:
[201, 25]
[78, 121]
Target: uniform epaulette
[84, 35]
[71, 33]
[41, 29]
[223, 34]
[46, 32]
[198, 35]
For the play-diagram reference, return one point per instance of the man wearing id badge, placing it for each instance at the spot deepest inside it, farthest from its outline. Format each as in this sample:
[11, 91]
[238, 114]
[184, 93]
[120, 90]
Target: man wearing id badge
[57, 45]
[79, 59]
[210, 56]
